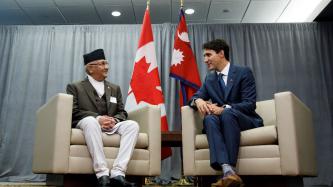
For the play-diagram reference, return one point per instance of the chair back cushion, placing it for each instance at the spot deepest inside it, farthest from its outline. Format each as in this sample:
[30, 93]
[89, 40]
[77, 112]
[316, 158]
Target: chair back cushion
[266, 109]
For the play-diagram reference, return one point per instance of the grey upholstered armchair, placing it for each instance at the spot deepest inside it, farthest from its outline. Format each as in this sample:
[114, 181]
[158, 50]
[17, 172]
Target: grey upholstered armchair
[59, 149]
[283, 146]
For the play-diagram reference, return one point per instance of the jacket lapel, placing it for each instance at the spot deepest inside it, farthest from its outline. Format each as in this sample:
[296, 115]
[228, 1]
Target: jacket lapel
[90, 91]
[230, 81]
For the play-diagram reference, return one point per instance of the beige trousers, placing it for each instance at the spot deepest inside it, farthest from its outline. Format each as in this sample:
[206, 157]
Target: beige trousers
[128, 130]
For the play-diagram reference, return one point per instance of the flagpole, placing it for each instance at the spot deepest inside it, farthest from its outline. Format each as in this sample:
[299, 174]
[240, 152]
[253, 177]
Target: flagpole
[148, 4]
[179, 72]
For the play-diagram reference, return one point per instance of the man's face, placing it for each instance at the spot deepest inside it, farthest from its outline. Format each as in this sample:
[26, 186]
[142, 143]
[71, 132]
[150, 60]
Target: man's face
[98, 69]
[213, 59]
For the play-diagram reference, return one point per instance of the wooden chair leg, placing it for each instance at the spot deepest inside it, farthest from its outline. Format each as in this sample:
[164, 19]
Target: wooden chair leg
[256, 181]
[139, 180]
[204, 181]
[273, 181]
[82, 180]
[54, 180]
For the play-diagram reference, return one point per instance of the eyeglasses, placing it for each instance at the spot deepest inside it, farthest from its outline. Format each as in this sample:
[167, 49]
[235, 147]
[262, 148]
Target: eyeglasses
[102, 63]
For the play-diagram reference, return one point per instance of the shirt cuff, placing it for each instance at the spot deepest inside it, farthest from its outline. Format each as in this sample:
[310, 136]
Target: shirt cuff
[226, 106]
[193, 102]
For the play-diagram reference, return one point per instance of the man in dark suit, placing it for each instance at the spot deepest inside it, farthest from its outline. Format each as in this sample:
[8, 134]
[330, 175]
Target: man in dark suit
[227, 100]
[97, 109]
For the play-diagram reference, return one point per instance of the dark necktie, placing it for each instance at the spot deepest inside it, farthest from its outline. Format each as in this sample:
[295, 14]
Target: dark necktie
[221, 81]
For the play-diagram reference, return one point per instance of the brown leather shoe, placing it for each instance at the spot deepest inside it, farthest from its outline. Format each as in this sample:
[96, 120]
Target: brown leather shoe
[219, 183]
[232, 181]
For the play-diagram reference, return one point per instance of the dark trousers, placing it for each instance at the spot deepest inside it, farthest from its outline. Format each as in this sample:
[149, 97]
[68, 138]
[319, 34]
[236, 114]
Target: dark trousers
[223, 134]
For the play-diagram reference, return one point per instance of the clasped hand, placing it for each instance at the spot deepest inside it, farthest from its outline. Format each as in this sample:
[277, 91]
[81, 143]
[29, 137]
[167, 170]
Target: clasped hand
[206, 107]
[106, 122]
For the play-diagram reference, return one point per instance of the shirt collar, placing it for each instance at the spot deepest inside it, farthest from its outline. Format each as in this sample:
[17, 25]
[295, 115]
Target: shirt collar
[93, 81]
[225, 70]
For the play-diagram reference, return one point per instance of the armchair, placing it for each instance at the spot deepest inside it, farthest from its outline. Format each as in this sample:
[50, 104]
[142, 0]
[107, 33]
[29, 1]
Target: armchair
[283, 146]
[59, 149]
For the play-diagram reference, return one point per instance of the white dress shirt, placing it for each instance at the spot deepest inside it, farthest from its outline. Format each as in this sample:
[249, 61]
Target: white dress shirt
[98, 85]
[225, 72]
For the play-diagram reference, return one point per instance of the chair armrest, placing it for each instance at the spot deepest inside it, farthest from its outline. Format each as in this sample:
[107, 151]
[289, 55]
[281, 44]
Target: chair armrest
[191, 126]
[52, 135]
[149, 119]
[295, 135]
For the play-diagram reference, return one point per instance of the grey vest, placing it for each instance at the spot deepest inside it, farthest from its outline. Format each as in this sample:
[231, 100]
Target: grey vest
[101, 105]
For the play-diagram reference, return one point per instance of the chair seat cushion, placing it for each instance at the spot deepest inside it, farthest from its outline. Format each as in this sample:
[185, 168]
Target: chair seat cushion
[257, 151]
[113, 140]
[265, 135]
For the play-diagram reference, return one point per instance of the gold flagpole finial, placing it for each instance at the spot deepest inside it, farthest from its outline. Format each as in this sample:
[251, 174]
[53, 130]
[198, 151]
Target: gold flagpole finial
[148, 4]
[181, 3]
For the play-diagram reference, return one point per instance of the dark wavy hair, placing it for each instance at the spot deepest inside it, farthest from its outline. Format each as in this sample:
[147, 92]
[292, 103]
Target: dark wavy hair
[217, 45]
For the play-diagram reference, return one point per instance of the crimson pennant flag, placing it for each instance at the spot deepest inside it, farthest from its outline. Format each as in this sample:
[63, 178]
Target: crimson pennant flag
[145, 87]
[183, 65]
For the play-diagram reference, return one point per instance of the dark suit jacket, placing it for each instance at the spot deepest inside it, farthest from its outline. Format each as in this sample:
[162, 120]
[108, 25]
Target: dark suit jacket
[240, 92]
[84, 103]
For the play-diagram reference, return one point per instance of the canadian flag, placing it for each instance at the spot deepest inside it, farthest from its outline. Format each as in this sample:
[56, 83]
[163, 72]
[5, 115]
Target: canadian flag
[183, 65]
[145, 87]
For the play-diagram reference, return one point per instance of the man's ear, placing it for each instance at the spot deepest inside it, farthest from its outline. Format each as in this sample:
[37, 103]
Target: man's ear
[89, 70]
[221, 53]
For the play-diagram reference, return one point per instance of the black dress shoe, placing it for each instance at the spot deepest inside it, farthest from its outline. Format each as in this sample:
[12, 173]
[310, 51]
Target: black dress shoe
[120, 181]
[103, 181]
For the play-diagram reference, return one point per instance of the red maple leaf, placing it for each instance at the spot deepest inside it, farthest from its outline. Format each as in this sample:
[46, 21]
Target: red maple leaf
[144, 84]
